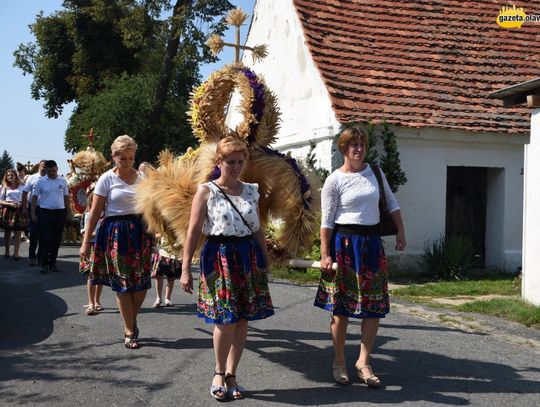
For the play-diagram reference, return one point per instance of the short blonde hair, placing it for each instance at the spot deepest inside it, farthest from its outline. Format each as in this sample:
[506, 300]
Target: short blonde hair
[351, 134]
[229, 145]
[121, 144]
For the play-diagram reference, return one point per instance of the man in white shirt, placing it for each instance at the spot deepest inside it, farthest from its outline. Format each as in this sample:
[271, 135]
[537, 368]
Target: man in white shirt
[53, 194]
[33, 227]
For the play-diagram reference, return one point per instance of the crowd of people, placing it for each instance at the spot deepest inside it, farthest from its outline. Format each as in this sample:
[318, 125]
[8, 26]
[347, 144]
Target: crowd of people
[117, 250]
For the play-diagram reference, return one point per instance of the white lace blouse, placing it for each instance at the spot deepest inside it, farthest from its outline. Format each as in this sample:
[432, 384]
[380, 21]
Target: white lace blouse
[353, 199]
[222, 218]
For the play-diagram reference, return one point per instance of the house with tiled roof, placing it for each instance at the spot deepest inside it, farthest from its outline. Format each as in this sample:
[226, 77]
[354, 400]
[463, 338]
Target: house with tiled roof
[426, 67]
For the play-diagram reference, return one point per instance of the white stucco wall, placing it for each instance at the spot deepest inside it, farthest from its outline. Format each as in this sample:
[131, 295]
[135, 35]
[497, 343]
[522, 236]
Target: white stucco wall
[425, 155]
[531, 216]
[289, 71]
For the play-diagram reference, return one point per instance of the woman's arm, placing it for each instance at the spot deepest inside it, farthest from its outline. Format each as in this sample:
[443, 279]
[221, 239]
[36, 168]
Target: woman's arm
[326, 259]
[261, 240]
[196, 220]
[400, 237]
[98, 204]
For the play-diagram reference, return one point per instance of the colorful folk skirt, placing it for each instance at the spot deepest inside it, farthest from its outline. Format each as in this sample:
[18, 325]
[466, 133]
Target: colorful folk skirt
[122, 254]
[167, 267]
[233, 282]
[359, 287]
[13, 218]
[85, 265]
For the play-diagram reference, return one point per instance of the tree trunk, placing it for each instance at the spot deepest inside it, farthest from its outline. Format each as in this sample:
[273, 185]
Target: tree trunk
[180, 14]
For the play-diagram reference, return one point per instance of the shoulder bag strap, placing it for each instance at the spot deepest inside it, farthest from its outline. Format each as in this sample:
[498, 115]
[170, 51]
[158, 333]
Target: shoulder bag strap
[233, 205]
[382, 195]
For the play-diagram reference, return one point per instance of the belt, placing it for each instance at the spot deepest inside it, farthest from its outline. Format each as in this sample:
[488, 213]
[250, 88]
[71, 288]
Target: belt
[365, 230]
[227, 239]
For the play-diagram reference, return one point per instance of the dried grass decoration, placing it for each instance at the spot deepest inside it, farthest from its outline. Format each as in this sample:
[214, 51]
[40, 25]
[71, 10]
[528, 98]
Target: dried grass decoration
[85, 168]
[288, 193]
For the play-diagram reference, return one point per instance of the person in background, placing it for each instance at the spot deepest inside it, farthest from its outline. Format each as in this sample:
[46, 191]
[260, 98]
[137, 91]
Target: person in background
[145, 166]
[13, 218]
[22, 173]
[165, 265]
[53, 194]
[93, 291]
[33, 227]
[350, 236]
[123, 249]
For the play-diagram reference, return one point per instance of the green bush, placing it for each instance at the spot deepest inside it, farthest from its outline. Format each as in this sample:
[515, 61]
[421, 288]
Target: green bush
[448, 258]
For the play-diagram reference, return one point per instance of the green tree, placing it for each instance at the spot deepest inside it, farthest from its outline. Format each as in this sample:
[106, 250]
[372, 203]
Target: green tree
[390, 162]
[6, 163]
[83, 49]
[123, 107]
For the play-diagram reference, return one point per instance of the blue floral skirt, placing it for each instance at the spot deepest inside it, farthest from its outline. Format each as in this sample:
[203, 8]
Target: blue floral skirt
[359, 287]
[122, 254]
[233, 283]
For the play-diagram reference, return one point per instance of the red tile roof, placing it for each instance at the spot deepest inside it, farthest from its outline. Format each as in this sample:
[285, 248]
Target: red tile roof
[423, 63]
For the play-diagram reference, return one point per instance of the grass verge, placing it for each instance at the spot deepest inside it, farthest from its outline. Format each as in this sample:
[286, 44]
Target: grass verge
[497, 286]
[507, 308]
[299, 276]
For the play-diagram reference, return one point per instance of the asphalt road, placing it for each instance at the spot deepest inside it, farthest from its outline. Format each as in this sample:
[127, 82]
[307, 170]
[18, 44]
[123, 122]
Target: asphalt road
[52, 354]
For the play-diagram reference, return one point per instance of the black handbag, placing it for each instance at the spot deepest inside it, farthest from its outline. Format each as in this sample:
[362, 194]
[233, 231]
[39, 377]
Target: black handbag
[387, 227]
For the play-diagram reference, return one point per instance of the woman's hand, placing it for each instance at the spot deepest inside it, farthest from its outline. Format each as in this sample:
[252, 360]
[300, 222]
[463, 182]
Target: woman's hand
[400, 241]
[326, 263]
[84, 251]
[186, 281]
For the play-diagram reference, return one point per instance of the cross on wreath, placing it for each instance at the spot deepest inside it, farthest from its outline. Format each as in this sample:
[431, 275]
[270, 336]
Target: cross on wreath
[90, 137]
[236, 18]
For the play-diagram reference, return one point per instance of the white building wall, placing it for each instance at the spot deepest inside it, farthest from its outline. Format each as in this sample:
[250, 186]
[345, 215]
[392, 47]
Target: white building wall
[531, 219]
[289, 71]
[425, 155]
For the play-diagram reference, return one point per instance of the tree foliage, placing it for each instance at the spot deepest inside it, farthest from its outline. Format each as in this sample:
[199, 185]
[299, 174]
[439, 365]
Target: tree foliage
[6, 163]
[101, 49]
[123, 108]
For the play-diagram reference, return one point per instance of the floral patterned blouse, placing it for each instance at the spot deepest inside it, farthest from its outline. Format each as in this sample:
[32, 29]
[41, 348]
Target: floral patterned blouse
[223, 219]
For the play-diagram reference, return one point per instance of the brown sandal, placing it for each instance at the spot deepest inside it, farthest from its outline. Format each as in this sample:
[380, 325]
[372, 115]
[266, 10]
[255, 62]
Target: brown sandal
[339, 371]
[371, 380]
[90, 310]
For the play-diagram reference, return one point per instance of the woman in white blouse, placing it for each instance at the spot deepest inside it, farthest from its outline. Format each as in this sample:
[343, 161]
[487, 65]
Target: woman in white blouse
[12, 217]
[350, 236]
[233, 286]
[122, 251]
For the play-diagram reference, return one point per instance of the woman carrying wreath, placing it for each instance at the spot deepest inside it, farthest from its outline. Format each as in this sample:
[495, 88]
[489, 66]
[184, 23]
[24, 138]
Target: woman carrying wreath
[233, 286]
[350, 236]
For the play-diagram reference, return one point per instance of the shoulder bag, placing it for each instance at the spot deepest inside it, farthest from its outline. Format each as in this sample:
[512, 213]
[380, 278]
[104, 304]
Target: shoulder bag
[387, 227]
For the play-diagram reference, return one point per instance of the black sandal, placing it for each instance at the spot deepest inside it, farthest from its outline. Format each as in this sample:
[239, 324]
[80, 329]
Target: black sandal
[136, 331]
[130, 342]
[215, 390]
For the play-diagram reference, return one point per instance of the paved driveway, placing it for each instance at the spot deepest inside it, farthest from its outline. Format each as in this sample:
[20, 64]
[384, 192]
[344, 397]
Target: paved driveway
[53, 354]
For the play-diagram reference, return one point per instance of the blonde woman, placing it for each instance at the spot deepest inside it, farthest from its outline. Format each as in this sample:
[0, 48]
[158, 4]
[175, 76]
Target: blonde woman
[123, 249]
[233, 285]
[13, 219]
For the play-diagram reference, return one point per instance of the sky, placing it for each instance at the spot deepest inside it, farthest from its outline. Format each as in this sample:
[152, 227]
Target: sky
[27, 134]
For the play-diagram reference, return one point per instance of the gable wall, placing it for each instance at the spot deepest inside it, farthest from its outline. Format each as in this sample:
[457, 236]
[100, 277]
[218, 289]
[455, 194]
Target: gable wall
[289, 71]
